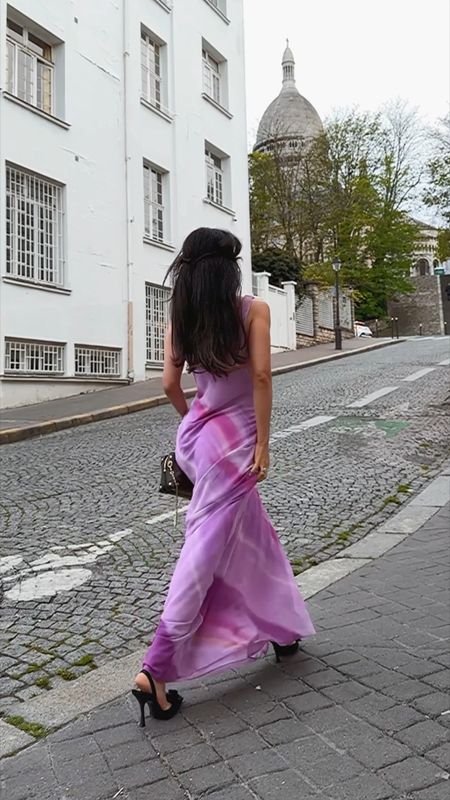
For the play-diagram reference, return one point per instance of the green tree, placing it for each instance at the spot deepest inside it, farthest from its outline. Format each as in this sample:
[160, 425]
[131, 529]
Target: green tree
[286, 197]
[390, 245]
[437, 193]
[263, 216]
[375, 173]
[444, 244]
[346, 194]
[281, 265]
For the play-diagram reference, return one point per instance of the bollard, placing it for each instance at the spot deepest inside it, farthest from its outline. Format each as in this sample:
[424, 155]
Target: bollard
[445, 328]
[420, 329]
[392, 327]
[376, 328]
[396, 327]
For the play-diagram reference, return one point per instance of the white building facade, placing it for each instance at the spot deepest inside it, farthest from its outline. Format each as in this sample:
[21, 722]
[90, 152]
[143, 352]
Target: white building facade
[122, 128]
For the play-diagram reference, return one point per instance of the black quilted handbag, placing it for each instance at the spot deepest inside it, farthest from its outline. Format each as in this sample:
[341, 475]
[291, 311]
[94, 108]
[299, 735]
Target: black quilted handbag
[173, 480]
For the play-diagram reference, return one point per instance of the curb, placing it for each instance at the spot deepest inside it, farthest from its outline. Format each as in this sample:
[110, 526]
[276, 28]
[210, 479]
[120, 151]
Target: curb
[62, 705]
[11, 435]
[333, 357]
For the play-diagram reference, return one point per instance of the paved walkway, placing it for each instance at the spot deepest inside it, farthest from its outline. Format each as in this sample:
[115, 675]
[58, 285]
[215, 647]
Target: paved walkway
[361, 714]
[80, 409]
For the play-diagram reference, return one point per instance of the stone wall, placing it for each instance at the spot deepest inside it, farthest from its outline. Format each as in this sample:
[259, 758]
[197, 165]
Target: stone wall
[421, 307]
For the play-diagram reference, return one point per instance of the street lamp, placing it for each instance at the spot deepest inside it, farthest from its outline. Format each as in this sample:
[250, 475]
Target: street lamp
[337, 325]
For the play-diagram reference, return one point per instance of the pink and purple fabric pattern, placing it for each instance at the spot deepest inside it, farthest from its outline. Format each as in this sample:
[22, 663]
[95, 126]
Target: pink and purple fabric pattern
[233, 590]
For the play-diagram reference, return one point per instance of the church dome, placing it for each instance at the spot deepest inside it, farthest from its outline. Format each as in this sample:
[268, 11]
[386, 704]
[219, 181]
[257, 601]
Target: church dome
[290, 114]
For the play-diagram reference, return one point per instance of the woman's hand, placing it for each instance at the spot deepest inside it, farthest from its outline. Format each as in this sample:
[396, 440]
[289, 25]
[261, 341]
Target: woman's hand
[261, 462]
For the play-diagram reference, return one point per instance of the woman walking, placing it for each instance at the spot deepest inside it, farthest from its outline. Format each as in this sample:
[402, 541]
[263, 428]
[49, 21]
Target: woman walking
[233, 592]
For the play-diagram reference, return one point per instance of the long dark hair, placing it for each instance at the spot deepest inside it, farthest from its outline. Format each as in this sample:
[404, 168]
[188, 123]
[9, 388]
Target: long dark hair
[207, 327]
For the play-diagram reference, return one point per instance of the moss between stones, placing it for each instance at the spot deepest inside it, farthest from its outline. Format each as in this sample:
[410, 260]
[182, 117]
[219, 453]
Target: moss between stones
[66, 674]
[43, 683]
[33, 728]
[391, 499]
[85, 661]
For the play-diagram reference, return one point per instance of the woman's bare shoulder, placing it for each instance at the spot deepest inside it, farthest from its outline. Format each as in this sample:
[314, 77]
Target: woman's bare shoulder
[259, 309]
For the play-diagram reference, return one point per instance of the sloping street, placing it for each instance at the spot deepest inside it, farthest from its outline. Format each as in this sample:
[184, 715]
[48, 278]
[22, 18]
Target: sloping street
[80, 509]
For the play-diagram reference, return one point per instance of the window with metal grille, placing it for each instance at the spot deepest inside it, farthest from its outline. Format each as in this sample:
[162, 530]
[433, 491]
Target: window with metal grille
[34, 357]
[157, 318]
[34, 228]
[96, 361]
[211, 77]
[153, 203]
[151, 70]
[214, 178]
[29, 67]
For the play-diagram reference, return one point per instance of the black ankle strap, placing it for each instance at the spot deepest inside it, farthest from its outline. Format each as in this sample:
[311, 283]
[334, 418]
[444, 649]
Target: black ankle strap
[150, 679]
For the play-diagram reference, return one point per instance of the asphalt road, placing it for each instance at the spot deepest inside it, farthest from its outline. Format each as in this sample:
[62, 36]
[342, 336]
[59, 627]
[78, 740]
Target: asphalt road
[80, 509]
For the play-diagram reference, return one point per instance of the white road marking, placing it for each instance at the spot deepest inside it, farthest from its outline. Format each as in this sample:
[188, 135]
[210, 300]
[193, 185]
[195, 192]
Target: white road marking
[9, 562]
[444, 363]
[55, 572]
[168, 515]
[116, 537]
[48, 584]
[419, 374]
[53, 561]
[302, 426]
[369, 398]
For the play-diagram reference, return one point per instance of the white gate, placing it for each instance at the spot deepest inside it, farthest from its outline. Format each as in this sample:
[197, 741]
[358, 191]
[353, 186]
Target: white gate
[282, 310]
[304, 317]
[279, 314]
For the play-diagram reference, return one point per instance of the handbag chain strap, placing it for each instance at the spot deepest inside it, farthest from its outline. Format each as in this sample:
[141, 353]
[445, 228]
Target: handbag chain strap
[169, 465]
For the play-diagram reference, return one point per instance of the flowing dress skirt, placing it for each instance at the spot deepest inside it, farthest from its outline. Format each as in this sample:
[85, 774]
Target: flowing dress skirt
[233, 590]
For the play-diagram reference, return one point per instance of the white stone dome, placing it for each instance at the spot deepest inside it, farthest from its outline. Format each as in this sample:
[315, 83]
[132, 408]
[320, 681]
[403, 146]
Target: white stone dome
[290, 114]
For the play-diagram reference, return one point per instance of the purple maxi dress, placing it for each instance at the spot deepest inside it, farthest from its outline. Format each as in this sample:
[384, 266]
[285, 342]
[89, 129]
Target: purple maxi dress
[233, 590]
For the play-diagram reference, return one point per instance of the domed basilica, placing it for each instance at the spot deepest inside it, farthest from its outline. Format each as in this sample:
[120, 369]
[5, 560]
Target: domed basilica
[290, 117]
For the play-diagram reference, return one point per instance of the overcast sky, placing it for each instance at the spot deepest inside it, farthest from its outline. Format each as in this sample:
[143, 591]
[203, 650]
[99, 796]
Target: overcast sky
[350, 52]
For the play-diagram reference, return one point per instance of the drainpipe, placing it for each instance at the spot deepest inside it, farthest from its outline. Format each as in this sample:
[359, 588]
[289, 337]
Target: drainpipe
[129, 221]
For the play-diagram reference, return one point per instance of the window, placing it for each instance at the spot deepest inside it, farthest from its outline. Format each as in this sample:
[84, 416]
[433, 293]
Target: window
[29, 67]
[154, 226]
[151, 70]
[35, 357]
[157, 318]
[34, 228]
[220, 5]
[96, 361]
[211, 77]
[214, 178]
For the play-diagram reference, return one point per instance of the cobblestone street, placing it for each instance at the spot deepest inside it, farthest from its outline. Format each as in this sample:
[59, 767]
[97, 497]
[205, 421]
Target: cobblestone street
[80, 509]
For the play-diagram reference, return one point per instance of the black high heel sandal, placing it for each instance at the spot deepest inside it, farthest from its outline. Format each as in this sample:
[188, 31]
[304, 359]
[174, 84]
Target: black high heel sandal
[285, 649]
[150, 698]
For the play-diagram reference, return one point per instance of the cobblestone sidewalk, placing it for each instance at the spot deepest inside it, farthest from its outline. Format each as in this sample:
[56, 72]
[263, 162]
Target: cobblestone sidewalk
[361, 714]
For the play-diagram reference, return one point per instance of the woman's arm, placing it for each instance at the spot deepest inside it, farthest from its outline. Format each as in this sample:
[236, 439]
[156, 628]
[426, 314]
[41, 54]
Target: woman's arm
[172, 378]
[260, 362]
